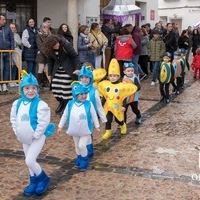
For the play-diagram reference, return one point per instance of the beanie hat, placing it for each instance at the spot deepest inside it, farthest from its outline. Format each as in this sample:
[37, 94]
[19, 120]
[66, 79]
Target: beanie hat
[114, 67]
[167, 54]
[128, 65]
[177, 53]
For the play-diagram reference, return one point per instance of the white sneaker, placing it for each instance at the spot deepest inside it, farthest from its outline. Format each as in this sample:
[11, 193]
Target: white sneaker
[153, 83]
[13, 84]
[0, 89]
[4, 88]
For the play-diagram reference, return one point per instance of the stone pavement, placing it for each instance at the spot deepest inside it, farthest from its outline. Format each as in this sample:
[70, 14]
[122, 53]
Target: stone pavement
[158, 160]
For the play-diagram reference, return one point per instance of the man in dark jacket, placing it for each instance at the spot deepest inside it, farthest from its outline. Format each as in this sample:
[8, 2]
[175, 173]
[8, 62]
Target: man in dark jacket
[6, 43]
[169, 38]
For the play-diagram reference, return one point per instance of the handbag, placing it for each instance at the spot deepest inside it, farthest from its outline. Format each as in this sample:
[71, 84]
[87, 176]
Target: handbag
[99, 49]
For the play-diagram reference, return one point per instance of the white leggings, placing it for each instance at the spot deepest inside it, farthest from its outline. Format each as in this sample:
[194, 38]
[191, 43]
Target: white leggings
[31, 153]
[80, 144]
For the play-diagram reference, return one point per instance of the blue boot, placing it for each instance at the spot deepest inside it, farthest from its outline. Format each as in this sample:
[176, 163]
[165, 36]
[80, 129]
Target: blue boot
[77, 162]
[84, 162]
[43, 182]
[30, 190]
[90, 150]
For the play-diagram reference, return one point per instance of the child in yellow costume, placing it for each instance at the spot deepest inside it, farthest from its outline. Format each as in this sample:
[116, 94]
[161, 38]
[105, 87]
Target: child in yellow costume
[114, 93]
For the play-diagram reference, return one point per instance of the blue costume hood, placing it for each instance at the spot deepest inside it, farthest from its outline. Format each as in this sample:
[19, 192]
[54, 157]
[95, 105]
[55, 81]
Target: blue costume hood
[86, 71]
[27, 80]
[78, 88]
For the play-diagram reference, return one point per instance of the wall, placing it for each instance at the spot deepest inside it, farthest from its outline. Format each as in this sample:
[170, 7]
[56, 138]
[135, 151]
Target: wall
[186, 10]
[88, 8]
[55, 9]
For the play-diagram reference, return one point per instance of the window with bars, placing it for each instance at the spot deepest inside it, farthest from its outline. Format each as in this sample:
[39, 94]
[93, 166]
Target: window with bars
[19, 11]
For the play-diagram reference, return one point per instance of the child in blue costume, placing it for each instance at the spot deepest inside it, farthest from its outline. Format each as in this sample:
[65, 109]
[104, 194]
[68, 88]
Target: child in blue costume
[80, 116]
[86, 78]
[30, 117]
[131, 77]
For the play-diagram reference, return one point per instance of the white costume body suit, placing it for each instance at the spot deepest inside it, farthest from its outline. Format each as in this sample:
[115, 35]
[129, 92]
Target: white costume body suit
[32, 141]
[78, 125]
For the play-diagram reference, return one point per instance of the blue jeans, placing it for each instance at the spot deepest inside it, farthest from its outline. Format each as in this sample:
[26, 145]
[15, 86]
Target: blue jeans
[14, 72]
[137, 68]
[5, 67]
[91, 57]
[31, 67]
[155, 65]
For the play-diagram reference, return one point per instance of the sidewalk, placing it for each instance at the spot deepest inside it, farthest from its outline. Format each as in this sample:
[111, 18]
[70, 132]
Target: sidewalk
[158, 160]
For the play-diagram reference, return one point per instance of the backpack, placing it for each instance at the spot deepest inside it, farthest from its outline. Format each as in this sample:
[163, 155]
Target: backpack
[165, 73]
[184, 63]
[177, 69]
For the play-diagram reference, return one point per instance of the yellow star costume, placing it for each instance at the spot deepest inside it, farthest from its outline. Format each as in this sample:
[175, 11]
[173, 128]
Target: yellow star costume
[98, 74]
[115, 94]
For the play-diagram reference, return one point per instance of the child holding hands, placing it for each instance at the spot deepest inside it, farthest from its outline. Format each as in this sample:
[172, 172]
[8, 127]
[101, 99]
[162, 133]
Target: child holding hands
[114, 93]
[86, 78]
[80, 116]
[131, 77]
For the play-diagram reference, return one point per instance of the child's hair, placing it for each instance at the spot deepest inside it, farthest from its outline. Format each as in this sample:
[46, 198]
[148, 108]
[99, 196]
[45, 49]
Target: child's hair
[198, 51]
[88, 64]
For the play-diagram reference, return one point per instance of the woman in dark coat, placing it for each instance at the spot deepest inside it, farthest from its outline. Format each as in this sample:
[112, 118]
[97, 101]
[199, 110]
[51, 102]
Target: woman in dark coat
[30, 46]
[195, 41]
[63, 68]
[64, 32]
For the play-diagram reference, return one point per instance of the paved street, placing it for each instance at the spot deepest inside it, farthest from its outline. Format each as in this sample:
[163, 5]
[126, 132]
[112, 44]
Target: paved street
[158, 160]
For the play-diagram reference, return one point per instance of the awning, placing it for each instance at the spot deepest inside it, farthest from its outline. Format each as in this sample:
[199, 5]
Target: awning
[121, 8]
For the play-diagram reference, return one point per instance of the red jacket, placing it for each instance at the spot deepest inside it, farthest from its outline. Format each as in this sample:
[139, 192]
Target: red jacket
[124, 46]
[196, 62]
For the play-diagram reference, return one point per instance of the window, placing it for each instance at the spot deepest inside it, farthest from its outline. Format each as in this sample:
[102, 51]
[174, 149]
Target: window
[19, 11]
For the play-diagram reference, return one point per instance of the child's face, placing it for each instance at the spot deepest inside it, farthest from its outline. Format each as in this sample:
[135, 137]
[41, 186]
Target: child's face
[82, 97]
[30, 91]
[176, 57]
[113, 77]
[166, 59]
[85, 80]
[129, 71]
[156, 36]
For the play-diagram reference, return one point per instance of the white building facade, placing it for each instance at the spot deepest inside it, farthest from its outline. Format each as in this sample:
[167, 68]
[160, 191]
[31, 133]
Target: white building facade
[79, 12]
[183, 12]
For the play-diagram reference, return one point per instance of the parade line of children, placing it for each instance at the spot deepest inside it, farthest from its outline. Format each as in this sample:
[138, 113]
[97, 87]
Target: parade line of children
[108, 98]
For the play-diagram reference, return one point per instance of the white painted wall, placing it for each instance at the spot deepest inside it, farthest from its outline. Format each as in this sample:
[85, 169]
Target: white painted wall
[55, 9]
[88, 8]
[177, 9]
